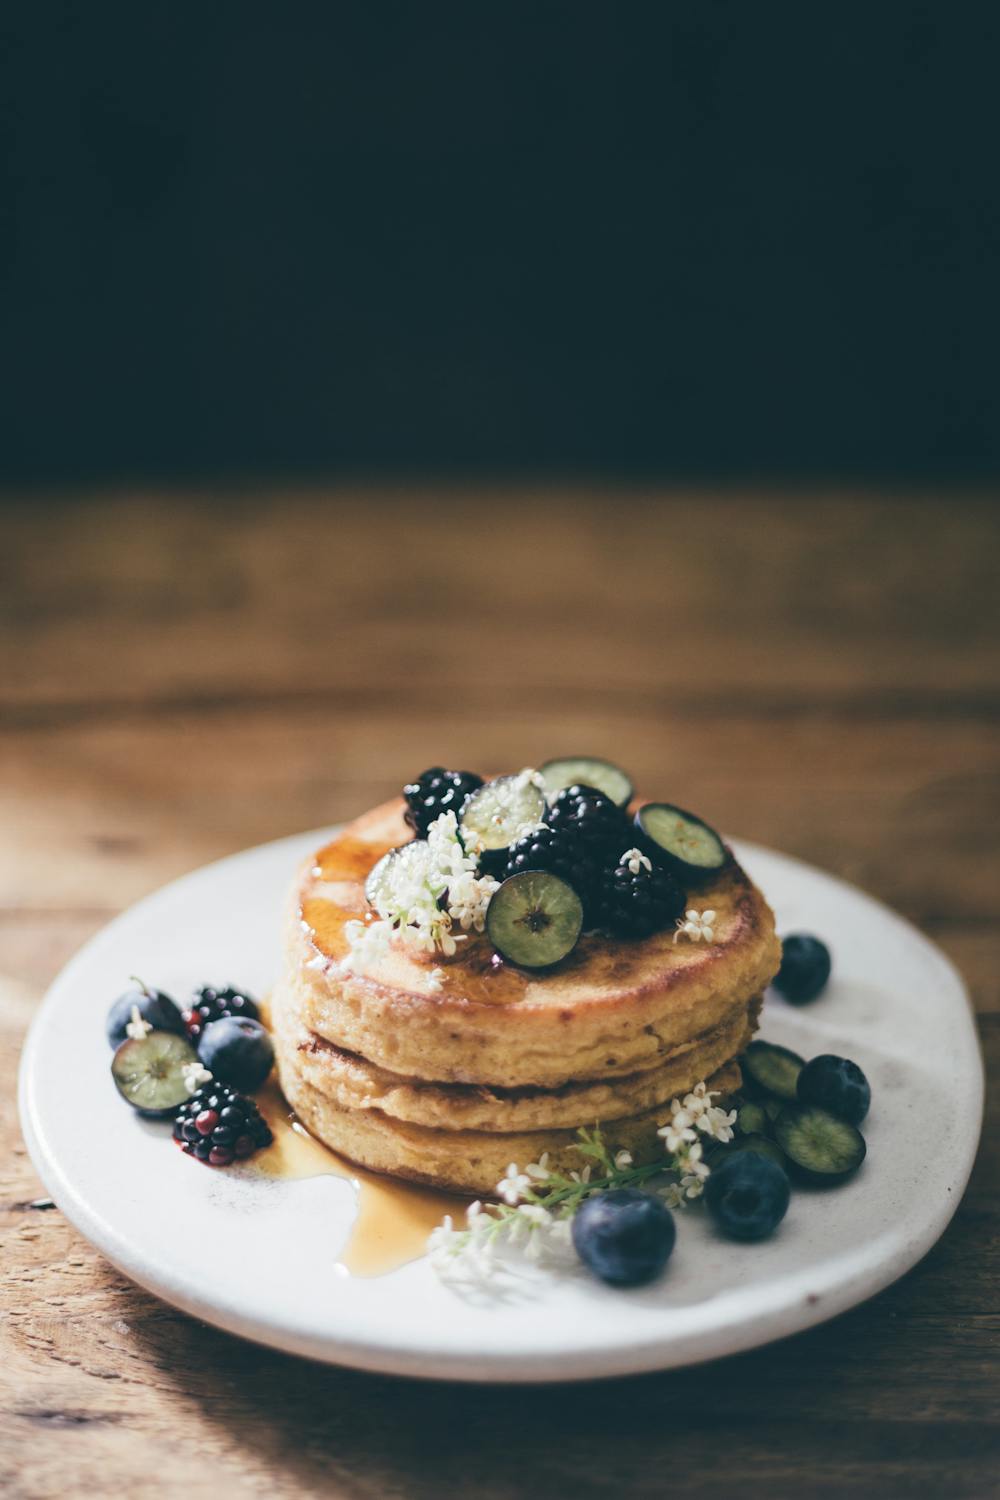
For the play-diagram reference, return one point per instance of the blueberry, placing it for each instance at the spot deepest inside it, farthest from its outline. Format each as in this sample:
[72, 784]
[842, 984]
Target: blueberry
[805, 968]
[236, 1051]
[624, 1236]
[838, 1085]
[154, 1006]
[747, 1195]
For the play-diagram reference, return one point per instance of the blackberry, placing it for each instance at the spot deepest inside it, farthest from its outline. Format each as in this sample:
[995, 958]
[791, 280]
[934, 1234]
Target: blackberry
[561, 852]
[634, 902]
[220, 1126]
[209, 1004]
[592, 817]
[435, 792]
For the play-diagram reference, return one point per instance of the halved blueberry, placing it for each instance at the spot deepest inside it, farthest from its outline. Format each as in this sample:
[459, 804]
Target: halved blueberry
[585, 770]
[692, 850]
[150, 1073]
[534, 919]
[503, 810]
[772, 1068]
[624, 1236]
[820, 1147]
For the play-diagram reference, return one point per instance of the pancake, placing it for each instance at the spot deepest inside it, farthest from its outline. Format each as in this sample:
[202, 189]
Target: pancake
[608, 1011]
[354, 1083]
[462, 1161]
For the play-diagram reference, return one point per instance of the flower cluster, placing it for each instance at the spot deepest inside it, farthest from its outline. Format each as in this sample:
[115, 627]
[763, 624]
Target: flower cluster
[425, 897]
[696, 1114]
[536, 1204]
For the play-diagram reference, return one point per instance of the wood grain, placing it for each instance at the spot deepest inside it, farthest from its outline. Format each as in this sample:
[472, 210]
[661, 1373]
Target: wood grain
[183, 675]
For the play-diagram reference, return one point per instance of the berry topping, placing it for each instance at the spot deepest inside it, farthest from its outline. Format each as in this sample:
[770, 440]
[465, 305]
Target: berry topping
[435, 792]
[805, 968]
[836, 1084]
[593, 817]
[637, 897]
[219, 1126]
[562, 853]
[151, 1072]
[154, 1007]
[209, 1004]
[584, 770]
[624, 1236]
[747, 1195]
[237, 1052]
[534, 919]
[681, 842]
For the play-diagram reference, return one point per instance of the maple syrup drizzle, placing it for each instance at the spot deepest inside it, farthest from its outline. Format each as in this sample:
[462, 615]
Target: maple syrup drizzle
[393, 1218]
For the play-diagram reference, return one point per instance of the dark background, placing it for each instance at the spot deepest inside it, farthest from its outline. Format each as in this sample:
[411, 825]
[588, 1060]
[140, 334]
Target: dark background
[665, 240]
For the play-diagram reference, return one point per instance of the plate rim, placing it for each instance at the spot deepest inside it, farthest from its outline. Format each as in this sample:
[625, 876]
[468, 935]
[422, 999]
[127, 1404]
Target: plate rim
[763, 1325]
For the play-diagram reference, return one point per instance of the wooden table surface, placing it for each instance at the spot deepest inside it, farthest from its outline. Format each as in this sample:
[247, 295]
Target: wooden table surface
[184, 675]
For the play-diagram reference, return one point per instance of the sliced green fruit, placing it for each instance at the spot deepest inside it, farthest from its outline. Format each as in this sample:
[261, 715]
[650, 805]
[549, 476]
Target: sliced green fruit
[775, 1069]
[821, 1148]
[387, 871]
[503, 809]
[585, 770]
[150, 1073]
[751, 1119]
[690, 847]
[534, 919]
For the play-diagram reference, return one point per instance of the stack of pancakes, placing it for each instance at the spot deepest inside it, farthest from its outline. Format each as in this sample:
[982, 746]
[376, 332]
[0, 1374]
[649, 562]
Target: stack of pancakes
[448, 1085]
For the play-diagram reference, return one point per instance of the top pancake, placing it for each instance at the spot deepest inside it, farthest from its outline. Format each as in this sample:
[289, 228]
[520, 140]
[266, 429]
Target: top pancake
[608, 1009]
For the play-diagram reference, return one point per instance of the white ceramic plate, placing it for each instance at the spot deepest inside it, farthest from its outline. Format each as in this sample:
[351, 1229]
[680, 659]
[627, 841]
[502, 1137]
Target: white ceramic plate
[258, 1256]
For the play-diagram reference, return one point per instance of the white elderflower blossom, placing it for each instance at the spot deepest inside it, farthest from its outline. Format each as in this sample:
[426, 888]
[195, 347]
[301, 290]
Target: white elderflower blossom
[443, 1243]
[468, 898]
[697, 925]
[623, 1159]
[137, 1028]
[434, 981]
[538, 1170]
[636, 861]
[367, 943]
[529, 777]
[194, 1076]
[708, 1117]
[679, 1129]
[513, 1185]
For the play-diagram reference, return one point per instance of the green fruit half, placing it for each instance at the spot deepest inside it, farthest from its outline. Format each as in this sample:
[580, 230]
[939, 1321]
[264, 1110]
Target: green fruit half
[502, 810]
[690, 848]
[820, 1147]
[585, 770]
[149, 1073]
[534, 919]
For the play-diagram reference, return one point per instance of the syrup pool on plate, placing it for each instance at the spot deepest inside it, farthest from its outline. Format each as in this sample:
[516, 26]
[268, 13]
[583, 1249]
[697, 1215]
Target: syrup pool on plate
[393, 1218]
